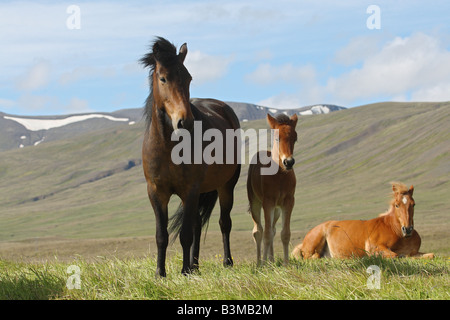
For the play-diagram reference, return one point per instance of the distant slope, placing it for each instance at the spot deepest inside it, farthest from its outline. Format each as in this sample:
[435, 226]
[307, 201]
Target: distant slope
[21, 131]
[92, 185]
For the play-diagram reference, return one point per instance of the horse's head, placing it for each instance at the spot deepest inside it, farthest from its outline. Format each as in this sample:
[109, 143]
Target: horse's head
[403, 204]
[285, 137]
[170, 82]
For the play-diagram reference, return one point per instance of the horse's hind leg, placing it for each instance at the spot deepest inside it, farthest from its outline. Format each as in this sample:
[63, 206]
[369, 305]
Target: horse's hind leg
[314, 243]
[226, 198]
[190, 228]
[255, 211]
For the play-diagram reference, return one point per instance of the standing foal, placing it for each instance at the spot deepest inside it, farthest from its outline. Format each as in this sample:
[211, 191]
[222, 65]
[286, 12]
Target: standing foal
[275, 192]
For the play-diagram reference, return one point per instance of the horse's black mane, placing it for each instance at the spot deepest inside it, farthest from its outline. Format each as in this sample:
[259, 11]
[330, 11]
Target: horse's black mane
[165, 53]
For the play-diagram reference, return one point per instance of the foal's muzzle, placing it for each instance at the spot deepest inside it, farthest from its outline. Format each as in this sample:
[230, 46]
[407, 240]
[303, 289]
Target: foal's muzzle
[288, 163]
[407, 231]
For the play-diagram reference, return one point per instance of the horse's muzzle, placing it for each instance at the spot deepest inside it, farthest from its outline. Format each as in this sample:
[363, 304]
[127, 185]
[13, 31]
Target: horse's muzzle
[187, 124]
[288, 163]
[407, 231]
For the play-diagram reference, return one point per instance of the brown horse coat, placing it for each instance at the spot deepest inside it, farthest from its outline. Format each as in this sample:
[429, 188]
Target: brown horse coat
[391, 234]
[273, 193]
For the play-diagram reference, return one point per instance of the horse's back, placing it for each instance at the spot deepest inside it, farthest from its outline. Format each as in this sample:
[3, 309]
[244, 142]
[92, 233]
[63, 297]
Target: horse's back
[217, 114]
[338, 239]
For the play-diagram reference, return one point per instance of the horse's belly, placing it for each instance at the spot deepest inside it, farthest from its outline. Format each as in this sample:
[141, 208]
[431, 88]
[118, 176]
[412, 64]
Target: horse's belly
[216, 176]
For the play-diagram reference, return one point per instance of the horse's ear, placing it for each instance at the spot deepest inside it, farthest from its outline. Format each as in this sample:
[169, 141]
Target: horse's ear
[183, 52]
[294, 119]
[411, 190]
[394, 188]
[271, 121]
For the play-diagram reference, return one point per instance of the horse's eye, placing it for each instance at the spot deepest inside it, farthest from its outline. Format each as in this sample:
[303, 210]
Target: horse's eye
[396, 205]
[162, 79]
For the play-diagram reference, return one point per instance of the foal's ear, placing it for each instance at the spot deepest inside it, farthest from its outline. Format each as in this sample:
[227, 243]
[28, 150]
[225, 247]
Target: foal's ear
[411, 190]
[394, 188]
[183, 52]
[294, 119]
[271, 121]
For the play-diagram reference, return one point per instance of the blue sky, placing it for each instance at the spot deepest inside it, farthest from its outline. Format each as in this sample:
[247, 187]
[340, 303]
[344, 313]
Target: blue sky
[274, 53]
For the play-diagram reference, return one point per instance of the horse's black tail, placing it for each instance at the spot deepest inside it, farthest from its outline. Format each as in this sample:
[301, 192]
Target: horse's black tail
[206, 203]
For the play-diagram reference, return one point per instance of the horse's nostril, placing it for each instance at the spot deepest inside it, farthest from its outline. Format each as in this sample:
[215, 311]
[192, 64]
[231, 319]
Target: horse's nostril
[288, 162]
[180, 124]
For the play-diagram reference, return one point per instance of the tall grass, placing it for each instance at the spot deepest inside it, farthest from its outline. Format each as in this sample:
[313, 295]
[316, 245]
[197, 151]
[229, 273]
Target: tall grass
[115, 279]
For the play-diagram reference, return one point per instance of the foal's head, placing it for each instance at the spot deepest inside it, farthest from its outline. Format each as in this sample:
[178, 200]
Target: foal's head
[285, 137]
[170, 82]
[403, 204]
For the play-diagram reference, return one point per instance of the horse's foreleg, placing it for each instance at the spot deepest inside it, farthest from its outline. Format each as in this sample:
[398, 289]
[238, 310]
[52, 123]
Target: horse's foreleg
[159, 203]
[385, 252]
[421, 255]
[269, 214]
[286, 231]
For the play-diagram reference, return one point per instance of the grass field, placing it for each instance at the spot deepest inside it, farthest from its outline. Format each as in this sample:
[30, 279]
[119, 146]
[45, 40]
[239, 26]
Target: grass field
[402, 279]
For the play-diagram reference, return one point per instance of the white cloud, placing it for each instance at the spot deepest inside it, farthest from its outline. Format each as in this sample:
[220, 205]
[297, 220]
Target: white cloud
[440, 92]
[283, 101]
[358, 49]
[77, 105]
[83, 72]
[414, 68]
[34, 78]
[418, 63]
[204, 67]
[267, 74]
[7, 103]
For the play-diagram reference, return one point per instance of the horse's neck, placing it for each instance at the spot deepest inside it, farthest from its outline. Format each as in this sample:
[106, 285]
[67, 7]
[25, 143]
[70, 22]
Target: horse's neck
[160, 129]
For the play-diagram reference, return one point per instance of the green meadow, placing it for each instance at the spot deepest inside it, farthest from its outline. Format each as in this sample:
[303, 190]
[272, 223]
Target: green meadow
[78, 202]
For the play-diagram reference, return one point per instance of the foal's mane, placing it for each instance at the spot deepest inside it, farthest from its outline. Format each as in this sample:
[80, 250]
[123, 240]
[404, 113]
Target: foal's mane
[282, 119]
[165, 53]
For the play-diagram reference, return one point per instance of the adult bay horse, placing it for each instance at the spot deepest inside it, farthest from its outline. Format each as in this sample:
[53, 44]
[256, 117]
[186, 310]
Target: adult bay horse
[391, 234]
[274, 193]
[169, 110]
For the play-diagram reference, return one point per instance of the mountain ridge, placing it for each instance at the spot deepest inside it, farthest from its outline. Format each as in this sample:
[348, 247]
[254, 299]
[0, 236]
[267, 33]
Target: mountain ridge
[22, 131]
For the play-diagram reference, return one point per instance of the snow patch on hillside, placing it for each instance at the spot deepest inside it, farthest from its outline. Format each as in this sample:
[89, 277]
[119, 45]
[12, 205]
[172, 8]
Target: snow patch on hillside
[46, 124]
[319, 109]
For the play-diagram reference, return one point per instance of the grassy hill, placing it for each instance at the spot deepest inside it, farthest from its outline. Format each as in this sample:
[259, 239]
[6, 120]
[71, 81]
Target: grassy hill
[87, 195]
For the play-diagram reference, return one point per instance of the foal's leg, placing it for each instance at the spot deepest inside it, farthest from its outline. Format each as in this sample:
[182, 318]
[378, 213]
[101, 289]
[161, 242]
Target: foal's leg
[286, 231]
[255, 210]
[159, 201]
[269, 214]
